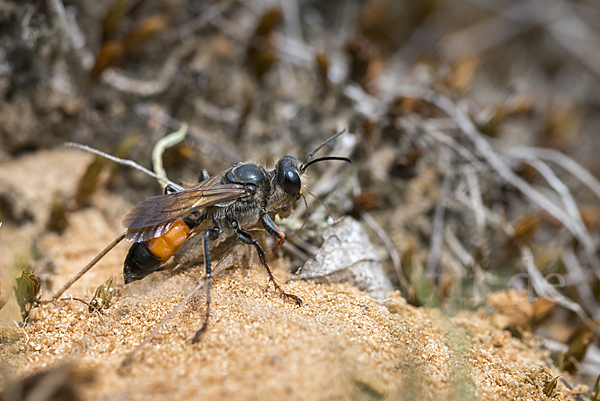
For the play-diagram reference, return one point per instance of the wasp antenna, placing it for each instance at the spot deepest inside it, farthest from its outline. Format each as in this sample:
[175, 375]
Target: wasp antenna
[320, 159]
[124, 162]
[323, 204]
[321, 145]
[305, 218]
[305, 213]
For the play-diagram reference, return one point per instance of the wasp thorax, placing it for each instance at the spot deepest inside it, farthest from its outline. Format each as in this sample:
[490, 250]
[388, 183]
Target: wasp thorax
[288, 177]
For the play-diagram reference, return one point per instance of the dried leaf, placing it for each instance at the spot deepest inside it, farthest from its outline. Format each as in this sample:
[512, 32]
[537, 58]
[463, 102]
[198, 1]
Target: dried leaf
[366, 200]
[26, 291]
[590, 216]
[146, 30]
[89, 182]
[111, 55]
[3, 295]
[260, 52]
[550, 386]
[116, 13]
[542, 307]
[462, 73]
[58, 216]
[244, 116]
[408, 255]
[490, 126]
[323, 63]
[525, 229]
[122, 151]
[178, 155]
[596, 390]
[405, 164]
[104, 294]
[562, 127]
[365, 63]
[384, 23]
[10, 335]
[402, 105]
[578, 344]
[268, 21]
[113, 52]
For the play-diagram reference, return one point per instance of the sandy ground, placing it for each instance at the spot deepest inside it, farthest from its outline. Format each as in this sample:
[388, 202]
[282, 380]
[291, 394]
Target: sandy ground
[341, 344]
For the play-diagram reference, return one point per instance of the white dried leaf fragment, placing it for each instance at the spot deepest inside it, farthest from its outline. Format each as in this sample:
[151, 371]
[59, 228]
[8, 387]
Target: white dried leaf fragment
[347, 256]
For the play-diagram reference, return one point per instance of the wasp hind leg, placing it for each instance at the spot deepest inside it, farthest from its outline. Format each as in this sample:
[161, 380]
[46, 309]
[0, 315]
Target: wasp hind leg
[246, 238]
[206, 236]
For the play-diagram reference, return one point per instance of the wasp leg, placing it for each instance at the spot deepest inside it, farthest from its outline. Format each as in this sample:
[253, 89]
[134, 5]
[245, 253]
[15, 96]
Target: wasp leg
[246, 238]
[272, 229]
[171, 189]
[85, 269]
[203, 175]
[206, 236]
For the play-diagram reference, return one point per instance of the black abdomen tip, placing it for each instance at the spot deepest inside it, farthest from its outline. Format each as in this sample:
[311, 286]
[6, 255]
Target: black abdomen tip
[139, 263]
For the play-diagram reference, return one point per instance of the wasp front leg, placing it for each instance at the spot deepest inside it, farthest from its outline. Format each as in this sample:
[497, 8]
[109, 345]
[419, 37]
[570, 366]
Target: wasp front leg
[203, 175]
[272, 229]
[246, 238]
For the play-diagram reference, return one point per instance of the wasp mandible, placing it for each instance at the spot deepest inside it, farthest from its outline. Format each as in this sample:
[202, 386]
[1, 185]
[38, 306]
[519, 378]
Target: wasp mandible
[227, 205]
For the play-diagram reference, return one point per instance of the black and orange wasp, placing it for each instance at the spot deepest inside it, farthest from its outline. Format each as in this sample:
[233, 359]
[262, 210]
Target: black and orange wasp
[220, 208]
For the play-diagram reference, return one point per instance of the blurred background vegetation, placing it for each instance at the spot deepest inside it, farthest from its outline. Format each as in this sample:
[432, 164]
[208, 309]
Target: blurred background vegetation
[473, 129]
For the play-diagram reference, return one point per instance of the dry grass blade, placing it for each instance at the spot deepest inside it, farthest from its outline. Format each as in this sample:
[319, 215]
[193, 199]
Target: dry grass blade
[576, 170]
[160, 147]
[433, 268]
[576, 38]
[393, 252]
[556, 184]
[501, 27]
[431, 130]
[596, 390]
[58, 9]
[459, 114]
[475, 195]
[584, 290]
[537, 280]
[149, 87]
[543, 289]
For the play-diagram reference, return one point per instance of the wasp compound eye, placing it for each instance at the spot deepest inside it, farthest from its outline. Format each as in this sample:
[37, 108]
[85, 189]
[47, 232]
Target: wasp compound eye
[288, 176]
[291, 183]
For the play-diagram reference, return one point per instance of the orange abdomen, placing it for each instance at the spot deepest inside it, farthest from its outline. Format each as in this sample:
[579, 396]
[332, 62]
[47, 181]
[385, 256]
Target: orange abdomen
[168, 243]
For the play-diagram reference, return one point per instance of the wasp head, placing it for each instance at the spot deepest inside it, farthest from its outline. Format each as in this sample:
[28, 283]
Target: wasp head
[288, 176]
[287, 180]
[286, 185]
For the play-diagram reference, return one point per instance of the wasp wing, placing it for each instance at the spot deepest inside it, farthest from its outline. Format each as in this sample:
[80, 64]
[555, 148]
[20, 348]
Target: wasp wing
[154, 216]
